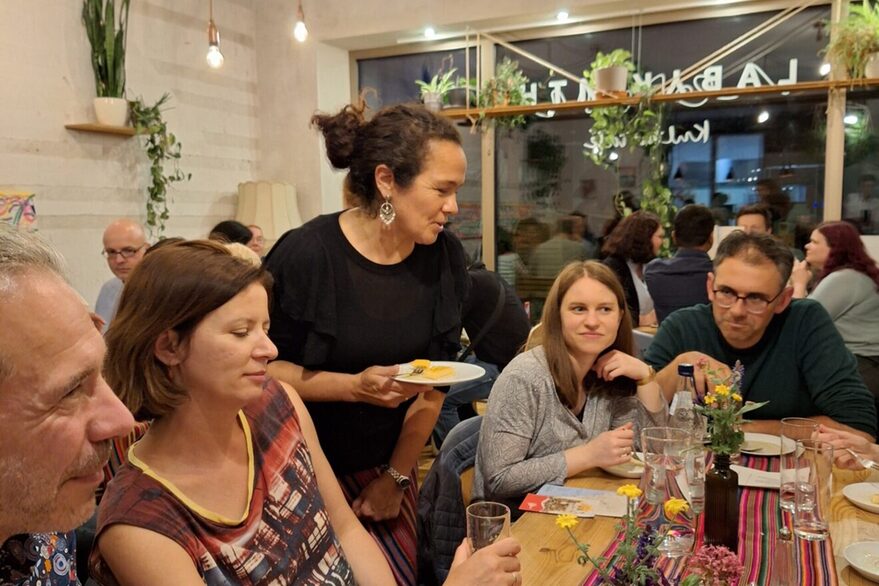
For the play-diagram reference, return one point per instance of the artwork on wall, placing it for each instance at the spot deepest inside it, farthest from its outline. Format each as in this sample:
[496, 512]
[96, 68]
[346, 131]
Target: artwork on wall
[18, 209]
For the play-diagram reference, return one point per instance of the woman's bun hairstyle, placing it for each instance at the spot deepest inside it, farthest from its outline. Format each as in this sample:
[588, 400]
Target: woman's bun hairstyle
[397, 137]
[340, 132]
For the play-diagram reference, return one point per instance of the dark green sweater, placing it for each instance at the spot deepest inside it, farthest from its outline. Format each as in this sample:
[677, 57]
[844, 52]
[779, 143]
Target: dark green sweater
[801, 365]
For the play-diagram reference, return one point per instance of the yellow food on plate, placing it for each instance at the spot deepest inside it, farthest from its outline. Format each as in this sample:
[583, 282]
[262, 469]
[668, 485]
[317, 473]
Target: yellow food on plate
[420, 363]
[439, 372]
[875, 499]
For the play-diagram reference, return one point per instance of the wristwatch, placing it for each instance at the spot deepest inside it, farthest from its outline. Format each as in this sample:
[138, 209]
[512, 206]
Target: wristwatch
[651, 374]
[402, 481]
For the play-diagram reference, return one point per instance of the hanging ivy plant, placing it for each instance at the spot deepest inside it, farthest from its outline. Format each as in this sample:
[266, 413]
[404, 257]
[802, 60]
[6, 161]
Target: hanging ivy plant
[629, 128]
[162, 149]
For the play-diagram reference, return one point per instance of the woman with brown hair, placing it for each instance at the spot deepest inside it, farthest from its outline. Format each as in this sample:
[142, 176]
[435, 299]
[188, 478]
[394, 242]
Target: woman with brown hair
[229, 485]
[573, 402]
[361, 291]
[634, 242]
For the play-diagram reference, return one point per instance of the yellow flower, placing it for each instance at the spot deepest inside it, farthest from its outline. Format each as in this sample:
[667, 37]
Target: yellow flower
[566, 521]
[737, 397]
[721, 390]
[630, 491]
[710, 400]
[674, 507]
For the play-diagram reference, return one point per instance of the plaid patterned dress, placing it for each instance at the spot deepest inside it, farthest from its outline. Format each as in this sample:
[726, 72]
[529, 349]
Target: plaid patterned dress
[284, 538]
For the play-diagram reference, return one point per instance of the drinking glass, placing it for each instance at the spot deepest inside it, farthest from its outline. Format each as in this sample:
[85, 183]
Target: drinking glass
[813, 476]
[793, 429]
[486, 523]
[697, 456]
[666, 454]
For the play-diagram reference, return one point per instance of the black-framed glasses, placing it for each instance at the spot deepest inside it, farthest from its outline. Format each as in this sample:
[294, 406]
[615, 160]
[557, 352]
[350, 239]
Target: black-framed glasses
[754, 303]
[126, 252]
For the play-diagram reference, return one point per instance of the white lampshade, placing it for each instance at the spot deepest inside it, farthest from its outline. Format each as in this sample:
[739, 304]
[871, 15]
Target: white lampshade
[269, 205]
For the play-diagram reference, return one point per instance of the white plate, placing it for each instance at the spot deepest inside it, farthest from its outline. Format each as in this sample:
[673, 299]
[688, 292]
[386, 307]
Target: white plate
[863, 556]
[628, 470]
[764, 444]
[464, 372]
[861, 493]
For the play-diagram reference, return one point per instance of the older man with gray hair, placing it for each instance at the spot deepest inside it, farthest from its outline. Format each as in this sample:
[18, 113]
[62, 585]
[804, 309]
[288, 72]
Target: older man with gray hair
[57, 414]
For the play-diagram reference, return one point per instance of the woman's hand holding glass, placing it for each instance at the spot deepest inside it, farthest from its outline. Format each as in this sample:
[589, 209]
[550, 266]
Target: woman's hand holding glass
[492, 565]
[378, 387]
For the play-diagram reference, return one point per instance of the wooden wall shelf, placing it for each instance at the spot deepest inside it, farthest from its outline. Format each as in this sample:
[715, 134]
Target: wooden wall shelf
[847, 84]
[102, 128]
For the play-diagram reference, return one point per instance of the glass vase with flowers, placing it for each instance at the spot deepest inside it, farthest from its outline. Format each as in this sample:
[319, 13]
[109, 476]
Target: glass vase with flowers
[724, 409]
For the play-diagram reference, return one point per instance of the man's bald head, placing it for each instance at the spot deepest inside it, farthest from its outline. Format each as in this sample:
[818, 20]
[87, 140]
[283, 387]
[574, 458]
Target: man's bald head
[124, 246]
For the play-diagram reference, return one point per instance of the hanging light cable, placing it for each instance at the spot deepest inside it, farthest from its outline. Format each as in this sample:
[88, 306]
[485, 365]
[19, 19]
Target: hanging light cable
[214, 56]
[299, 31]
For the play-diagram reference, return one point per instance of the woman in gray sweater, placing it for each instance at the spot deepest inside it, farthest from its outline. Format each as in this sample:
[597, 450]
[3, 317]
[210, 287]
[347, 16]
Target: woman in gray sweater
[575, 401]
[847, 285]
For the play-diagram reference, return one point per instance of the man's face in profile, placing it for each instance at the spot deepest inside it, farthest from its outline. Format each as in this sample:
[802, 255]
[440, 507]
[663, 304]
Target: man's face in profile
[57, 413]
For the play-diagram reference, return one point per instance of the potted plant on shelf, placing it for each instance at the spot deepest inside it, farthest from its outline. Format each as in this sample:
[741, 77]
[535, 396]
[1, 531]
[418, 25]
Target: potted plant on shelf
[610, 73]
[462, 94]
[107, 33]
[506, 88]
[855, 41]
[161, 147]
[433, 92]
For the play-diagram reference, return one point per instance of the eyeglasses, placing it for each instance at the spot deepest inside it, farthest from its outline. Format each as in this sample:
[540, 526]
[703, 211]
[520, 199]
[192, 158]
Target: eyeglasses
[754, 303]
[126, 252]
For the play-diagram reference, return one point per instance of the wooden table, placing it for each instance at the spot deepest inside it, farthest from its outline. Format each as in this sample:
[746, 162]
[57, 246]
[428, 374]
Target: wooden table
[549, 557]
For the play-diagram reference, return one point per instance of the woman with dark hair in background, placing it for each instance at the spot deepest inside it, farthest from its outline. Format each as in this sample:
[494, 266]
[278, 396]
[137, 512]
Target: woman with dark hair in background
[633, 243]
[231, 231]
[847, 285]
[361, 291]
[574, 402]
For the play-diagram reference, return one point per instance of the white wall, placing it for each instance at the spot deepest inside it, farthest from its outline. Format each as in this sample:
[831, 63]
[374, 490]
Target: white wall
[246, 121]
[83, 181]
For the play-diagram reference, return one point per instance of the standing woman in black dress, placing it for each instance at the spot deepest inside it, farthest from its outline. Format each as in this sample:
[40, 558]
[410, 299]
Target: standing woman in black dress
[361, 291]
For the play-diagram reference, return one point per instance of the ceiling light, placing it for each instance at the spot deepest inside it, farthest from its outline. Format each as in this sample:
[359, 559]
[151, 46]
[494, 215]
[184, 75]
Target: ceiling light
[430, 32]
[214, 56]
[562, 16]
[300, 33]
[762, 117]
[850, 119]
[824, 69]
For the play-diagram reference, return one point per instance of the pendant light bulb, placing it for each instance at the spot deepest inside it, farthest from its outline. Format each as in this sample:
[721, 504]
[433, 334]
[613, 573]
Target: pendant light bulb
[300, 33]
[214, 57]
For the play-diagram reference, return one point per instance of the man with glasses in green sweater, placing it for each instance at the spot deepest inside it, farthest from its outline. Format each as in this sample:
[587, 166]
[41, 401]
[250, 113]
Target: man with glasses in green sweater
[792, 354]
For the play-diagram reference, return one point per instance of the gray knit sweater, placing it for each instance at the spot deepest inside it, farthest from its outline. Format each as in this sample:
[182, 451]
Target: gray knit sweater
[527, 429]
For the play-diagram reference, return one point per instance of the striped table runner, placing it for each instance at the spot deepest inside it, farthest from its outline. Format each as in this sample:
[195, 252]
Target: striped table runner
[759, 519]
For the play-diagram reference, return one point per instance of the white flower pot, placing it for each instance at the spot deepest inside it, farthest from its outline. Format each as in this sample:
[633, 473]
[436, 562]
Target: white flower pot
[111, 111]
[611, 80]
[433, 101]
[871, 71]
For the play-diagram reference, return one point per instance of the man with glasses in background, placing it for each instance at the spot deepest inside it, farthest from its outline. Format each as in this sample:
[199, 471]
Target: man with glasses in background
[793, 355]
[124, 246]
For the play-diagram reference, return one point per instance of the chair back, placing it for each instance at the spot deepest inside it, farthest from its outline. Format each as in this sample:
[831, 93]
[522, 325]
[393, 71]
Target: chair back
[443, 500]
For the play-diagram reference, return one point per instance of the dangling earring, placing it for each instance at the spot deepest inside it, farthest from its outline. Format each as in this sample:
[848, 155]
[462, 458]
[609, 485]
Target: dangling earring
[386, 211]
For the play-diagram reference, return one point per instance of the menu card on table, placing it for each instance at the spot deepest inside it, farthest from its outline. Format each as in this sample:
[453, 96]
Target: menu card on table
[581, 502]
